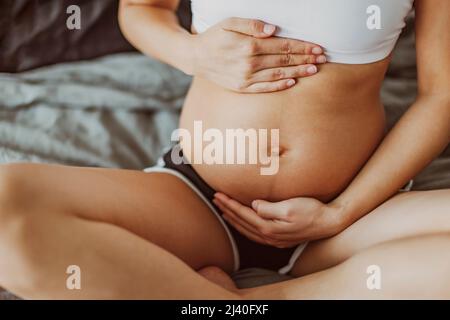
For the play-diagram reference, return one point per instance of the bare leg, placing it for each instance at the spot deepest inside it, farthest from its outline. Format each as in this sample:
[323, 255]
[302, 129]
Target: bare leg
[111, 223]
[114, 263]
[219, 277]
[416, 268]
[39, 239]
[405, 215]
[126, 262]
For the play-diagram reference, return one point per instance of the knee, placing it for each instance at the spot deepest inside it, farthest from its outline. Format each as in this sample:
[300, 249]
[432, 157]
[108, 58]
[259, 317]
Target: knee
[16, 227]
[15, 197]
[14, 189]
[426, 272]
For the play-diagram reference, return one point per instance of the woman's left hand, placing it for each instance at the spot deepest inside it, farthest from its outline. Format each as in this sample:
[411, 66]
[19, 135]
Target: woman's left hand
[281, 224]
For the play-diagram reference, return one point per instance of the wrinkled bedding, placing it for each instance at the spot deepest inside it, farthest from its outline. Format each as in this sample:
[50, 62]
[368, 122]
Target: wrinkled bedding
[119, 111]
[111, 112]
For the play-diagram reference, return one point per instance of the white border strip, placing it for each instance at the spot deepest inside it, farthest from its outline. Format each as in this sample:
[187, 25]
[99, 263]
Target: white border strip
[298, 251]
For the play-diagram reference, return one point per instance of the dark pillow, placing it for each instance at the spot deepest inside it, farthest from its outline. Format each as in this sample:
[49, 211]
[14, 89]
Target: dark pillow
[33, 33]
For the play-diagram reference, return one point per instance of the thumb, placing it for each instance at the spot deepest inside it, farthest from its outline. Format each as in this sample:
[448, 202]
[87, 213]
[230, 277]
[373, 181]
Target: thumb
[270, 210]
[251, 27]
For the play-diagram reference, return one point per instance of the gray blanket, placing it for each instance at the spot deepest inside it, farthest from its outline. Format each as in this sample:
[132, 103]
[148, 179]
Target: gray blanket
[119, 111]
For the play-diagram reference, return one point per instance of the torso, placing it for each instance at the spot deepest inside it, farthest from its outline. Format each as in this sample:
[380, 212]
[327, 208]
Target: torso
[330, 124]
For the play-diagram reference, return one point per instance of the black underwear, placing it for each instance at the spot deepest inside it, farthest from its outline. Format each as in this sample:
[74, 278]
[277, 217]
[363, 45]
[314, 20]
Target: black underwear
[251, 254]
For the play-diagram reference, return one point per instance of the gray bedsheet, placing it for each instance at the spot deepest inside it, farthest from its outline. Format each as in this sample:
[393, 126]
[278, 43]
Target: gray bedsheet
[119, 111]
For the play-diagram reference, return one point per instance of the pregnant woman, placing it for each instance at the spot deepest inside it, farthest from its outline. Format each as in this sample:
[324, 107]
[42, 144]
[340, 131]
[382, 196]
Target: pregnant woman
[332, 209]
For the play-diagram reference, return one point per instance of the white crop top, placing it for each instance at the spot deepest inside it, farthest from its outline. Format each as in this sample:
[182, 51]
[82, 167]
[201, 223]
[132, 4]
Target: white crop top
[350, 31]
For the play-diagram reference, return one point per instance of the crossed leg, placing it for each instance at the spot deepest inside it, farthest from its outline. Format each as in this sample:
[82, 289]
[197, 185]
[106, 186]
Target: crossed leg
[409, 268]
[407, 237]
[113, 224]
[405, 215]
[138, 235]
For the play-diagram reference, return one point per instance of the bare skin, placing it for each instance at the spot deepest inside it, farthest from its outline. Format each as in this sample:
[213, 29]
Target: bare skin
[402, 278]
[122, 227]
[333, 144]
[324, 138]
[132, 240]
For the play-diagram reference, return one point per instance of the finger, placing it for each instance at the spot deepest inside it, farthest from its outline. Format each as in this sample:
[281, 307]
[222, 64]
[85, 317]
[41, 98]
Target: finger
[230, 203]
[275, 74]
[281, 60]
[284, 46]
[271, 210]
[279, 243]
[227, 212]
[283, 244]
[244, 212]
[266, 87]
[276, 231]
[243, 229]
[267, 227]
[251, 27]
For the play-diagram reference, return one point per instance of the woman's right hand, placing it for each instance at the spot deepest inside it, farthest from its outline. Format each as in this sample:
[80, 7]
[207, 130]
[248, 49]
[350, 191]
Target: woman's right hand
[242, 55]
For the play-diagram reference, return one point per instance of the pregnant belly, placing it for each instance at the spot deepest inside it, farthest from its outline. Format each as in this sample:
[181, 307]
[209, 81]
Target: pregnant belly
[326, 133]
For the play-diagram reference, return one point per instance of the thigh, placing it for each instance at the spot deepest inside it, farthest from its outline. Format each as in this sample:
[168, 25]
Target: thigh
[404, 215]
[408, 268]
[158, 207]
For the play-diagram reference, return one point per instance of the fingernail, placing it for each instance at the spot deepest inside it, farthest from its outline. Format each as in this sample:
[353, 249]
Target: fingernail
[321, 59]
[290, 83]
[311, 69]
[255, 205]
[317, 50]
[269, 29]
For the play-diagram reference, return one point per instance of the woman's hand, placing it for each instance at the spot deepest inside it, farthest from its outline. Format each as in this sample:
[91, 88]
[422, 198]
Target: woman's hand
[241, 55]
[282, 224]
